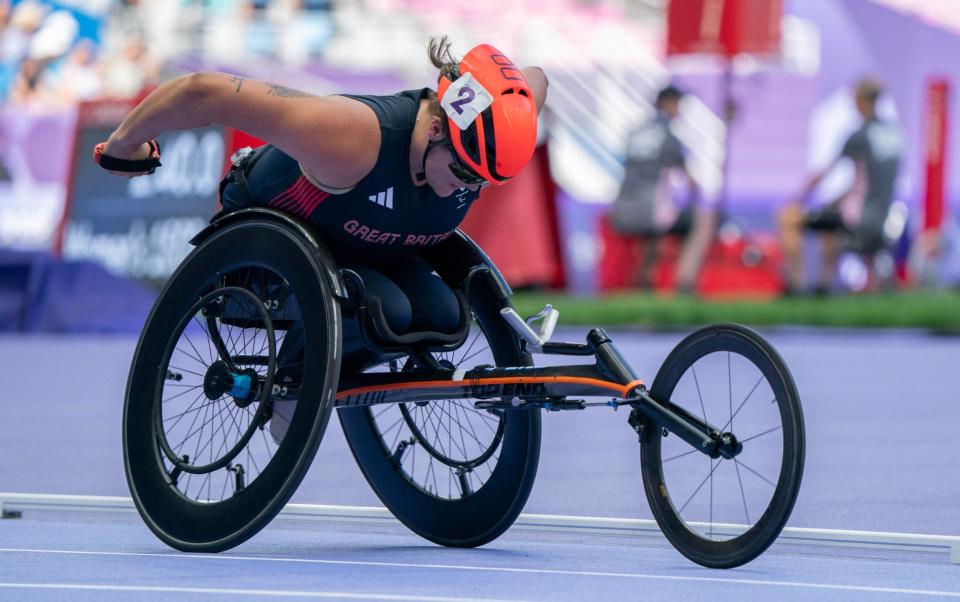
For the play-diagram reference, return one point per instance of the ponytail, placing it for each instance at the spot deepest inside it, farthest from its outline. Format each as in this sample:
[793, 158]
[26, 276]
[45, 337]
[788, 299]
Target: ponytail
[438, 49]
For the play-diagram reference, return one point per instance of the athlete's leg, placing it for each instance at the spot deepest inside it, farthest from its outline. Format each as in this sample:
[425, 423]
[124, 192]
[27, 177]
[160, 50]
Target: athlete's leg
[696, 241]
[396, 306]
[646, 251]
[868, 241]
[230, 197]
[790, 222]
[829, 255]
[828, 223]
[434, 306]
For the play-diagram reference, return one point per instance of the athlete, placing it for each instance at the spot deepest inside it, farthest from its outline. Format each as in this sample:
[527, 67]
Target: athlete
[644, 209]
[854, 220]
[377, 176]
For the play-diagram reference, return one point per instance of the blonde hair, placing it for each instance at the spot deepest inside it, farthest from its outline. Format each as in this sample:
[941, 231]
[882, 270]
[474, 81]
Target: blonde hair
[869, 89]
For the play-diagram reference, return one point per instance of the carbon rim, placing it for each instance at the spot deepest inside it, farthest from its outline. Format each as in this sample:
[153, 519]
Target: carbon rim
[732, 376]
[708, 494]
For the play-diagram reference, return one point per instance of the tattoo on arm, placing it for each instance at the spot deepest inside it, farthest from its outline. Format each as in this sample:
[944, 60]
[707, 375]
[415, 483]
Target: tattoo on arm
[284, 92]
[237, 80]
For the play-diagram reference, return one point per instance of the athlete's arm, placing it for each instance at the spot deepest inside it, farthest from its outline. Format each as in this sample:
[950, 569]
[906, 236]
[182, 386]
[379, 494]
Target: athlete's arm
[693, 187]
[336, 139]
[855, 149]
[814, 180]
[537, 80]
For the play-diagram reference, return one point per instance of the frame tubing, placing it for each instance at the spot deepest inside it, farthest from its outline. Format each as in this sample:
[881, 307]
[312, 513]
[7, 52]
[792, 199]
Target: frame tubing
[685, 425]
[566, 349]
[679, 422]
[609, 360]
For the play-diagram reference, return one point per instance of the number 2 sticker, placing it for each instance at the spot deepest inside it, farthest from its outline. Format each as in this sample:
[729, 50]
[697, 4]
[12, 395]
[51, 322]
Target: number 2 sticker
[466, 94]
[464, 100]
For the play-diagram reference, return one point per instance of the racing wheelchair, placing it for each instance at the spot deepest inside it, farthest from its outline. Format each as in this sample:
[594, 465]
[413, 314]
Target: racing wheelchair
[258, 336]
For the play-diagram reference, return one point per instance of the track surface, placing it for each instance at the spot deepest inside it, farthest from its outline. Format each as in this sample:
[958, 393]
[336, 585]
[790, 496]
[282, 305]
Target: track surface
[880, 412]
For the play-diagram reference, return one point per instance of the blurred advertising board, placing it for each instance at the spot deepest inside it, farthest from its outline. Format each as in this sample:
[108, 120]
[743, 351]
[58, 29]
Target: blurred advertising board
[139, 227]
[34, 156]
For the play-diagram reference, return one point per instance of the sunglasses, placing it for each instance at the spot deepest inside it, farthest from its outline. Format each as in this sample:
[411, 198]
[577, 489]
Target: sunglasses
[462, 172]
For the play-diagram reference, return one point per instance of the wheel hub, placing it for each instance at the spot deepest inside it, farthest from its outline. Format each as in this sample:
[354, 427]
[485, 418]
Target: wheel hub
[444, 364]
[728, 446]
[217, 380]
[244, 385]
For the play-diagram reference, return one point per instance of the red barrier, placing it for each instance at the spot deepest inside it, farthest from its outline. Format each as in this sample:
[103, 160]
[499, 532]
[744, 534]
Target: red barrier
[237, 139]
[516, 225]
[741, 266]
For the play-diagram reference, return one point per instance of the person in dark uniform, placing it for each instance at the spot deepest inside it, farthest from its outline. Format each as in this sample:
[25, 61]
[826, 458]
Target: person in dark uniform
[644, 209]
[378, 177]
[855, 220]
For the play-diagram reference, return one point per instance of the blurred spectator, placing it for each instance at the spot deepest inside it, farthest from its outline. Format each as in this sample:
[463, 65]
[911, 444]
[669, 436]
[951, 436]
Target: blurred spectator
[47, 72]
[35, 84]
[645, 208]
[43, 66]
[4, 170]
[26, 89]
[55, 37]
[39, 65]
[5, 31]
[855, 220]
[126, 18]
[260, 35]
[79, 78]
[130, 70]
[24, 20]
[307, 27]
[239, 32]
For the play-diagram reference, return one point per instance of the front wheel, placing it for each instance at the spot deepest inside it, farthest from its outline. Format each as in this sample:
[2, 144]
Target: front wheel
[211, 454]
[723, 513]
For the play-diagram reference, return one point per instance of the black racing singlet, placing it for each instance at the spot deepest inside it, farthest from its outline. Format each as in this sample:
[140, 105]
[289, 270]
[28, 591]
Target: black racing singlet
[384, 215]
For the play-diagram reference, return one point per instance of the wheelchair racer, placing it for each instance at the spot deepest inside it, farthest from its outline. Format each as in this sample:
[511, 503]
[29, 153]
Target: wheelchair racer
[377, 176]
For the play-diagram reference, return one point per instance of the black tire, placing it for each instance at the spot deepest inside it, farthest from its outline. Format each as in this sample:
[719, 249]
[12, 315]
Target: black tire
[232, 505]
[732, 377]
[498, 467]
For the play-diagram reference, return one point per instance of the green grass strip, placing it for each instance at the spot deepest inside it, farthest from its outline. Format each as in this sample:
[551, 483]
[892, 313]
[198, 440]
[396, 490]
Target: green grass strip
[938, 311]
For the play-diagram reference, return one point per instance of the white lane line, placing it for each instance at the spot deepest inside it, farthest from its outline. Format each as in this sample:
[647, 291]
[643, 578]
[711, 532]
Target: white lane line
[948, 544]
[279, 593]
[496, 569]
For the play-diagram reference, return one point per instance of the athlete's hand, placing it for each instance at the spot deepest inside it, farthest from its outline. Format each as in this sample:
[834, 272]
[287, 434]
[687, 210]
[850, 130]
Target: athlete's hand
[113, 149]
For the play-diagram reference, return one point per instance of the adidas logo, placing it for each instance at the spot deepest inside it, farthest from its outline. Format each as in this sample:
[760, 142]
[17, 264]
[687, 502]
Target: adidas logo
[384, 199]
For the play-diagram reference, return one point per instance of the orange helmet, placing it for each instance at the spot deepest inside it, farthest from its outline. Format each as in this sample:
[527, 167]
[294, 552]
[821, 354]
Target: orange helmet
[491, 114]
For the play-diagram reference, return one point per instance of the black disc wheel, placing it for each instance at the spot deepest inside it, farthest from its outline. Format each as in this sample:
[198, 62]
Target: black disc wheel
[231, 387]
[721, 512]
[454, 474]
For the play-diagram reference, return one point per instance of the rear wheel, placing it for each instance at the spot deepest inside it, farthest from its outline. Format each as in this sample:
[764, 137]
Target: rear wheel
[454, 474]
[723, 513]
